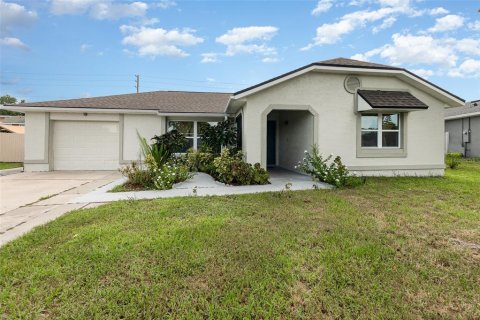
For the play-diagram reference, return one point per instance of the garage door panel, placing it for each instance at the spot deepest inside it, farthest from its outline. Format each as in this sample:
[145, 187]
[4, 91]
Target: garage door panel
[79, 145]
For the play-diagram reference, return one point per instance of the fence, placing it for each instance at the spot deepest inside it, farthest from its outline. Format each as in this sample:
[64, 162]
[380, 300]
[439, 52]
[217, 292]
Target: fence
[11, 147]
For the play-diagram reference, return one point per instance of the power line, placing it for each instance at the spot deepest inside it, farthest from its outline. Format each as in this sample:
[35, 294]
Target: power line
[110, 77]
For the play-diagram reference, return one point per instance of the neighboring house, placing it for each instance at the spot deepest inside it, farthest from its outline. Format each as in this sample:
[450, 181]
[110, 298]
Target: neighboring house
[12, 120]
[11, 143]
[462, 127]
[381, 120]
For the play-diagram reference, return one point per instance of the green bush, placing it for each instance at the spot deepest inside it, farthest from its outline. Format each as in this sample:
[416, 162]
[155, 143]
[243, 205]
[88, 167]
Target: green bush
[324, 169]
[169, 174]
[198, 161]
[158, 153]
[260, 175]
[452, 159]
[172, 141]
[231, 169]
[160, 170]
[138, 178]
[222, 134]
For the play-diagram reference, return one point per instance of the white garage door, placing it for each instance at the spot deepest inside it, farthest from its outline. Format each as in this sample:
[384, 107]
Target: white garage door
[85, 145]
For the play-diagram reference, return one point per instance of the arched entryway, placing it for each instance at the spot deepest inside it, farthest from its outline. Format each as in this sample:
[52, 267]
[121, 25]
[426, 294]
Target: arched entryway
[288, 133]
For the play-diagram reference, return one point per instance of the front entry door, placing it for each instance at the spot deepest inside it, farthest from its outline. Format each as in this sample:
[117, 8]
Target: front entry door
[271, 143]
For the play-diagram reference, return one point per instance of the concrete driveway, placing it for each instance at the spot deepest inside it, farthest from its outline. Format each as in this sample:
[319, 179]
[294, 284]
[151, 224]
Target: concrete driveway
[31, 199]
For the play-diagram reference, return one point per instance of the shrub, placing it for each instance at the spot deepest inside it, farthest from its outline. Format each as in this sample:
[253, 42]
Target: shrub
[172, 141]
[452, 159]
[198, 161]
[260, 175]
[155, 152]
[231, 169]
[324, 169]
[137, 177]
[214, 137]
[169, 174]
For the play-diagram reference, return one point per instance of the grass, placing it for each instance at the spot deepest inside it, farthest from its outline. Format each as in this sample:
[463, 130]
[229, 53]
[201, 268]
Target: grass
[126, 187]
[10, 165]
[393, 248]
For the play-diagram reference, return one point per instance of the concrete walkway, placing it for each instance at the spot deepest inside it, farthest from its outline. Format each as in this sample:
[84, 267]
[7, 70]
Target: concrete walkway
[31, 199]
[204, 185]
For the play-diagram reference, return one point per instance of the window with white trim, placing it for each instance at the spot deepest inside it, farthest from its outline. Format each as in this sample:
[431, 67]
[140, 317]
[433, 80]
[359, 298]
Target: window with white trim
[191, 130]
[380, 130]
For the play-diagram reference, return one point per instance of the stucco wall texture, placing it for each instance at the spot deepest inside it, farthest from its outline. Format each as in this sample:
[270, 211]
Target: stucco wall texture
[337, 129]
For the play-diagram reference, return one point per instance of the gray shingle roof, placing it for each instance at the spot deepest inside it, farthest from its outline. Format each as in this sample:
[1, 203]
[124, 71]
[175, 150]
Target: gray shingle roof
[465, 111]
[344, 62]
[163, 101]
[391, 99]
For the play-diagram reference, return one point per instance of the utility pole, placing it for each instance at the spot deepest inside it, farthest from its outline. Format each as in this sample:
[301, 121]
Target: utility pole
[137, 82]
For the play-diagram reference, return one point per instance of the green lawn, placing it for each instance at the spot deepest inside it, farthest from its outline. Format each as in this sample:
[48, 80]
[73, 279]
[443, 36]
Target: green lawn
[10, 165]
[393, 248]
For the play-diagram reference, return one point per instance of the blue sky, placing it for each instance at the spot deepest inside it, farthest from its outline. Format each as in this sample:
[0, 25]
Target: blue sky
[61, 49]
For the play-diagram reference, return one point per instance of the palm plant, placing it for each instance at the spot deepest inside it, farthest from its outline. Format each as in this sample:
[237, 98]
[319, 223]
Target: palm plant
[157, 152]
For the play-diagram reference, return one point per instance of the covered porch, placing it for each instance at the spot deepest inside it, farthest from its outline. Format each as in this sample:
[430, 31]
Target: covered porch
[288, 134]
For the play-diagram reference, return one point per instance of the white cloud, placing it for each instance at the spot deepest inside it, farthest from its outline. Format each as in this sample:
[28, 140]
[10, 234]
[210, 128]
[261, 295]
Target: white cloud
[84, 47]
[158, 41]
[412, 49]
[165, 4]
[13, 42]
[248, 40]
[210, 80]
[270, 59]
[447, 23]
[59, 7]
[387, 23]
[111, 11]
[209, 57]
[13, 15]
[322, 6]
[469, 68]
[424, 73]
[475, 26]
[437, 11]
[330, 33]
[422, 50]
[99, 9]
[468, 46]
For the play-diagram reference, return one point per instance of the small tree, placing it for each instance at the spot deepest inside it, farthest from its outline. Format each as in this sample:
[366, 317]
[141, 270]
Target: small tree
[214, 137]
[7, 99]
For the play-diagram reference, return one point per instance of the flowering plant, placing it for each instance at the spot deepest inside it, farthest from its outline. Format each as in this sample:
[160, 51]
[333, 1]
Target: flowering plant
[169, 174]
[324, 169]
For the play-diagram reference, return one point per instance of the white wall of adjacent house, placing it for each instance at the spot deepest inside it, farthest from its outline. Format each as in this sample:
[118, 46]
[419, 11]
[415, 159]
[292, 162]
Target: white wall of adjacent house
[337, 123]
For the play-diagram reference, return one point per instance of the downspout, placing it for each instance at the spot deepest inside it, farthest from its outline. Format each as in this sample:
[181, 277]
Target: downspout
[469, 136]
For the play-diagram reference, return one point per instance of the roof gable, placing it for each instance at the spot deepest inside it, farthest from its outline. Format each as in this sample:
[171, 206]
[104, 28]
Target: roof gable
[348, 65]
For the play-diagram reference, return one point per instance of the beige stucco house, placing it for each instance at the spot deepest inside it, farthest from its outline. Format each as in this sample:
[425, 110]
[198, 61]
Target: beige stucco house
[381, 120]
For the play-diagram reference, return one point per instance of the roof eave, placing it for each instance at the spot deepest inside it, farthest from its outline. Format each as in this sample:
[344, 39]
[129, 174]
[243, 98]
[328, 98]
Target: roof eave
[465, 115]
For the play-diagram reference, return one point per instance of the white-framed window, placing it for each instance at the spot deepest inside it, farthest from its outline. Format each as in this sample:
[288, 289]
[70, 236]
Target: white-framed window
[381, 130]
[191, 130]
